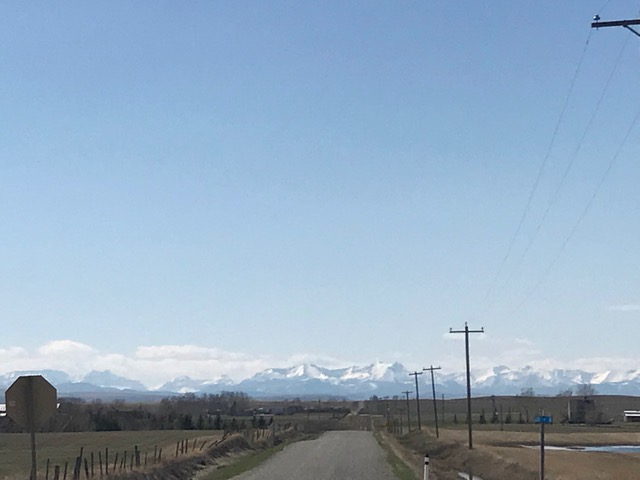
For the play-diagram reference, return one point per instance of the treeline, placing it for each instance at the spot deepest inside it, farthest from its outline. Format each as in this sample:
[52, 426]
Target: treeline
[184, 412]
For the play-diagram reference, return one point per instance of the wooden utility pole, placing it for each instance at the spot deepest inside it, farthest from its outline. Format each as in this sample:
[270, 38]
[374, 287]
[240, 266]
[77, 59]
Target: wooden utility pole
[415, 374]
[407, 392]
[433, 389]
[466, 332]
[616, 23]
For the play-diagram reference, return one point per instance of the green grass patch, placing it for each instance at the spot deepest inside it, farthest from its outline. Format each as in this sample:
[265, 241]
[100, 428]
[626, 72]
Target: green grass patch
[400, 469]
[243, 464]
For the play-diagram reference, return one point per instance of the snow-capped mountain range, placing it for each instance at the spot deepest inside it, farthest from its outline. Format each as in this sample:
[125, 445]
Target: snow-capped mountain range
[355, 382]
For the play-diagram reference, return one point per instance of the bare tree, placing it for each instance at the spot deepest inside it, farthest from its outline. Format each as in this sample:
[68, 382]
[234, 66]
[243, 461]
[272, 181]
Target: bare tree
[527, 392]
[565, 393]
[585, 390]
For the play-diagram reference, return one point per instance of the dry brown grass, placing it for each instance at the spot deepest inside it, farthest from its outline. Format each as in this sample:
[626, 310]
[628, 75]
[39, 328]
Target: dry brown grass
[499, 455]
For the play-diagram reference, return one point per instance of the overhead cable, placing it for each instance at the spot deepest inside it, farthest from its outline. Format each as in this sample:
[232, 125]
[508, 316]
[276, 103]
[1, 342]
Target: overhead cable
[541, 169]
[568, 168]
[583, 214]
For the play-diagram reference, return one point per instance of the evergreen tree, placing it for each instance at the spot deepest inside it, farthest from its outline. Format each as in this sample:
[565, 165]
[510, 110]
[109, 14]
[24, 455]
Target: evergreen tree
[187, 422]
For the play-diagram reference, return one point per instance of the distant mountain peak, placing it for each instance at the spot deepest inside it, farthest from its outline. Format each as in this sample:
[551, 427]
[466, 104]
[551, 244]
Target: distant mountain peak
[356, 381]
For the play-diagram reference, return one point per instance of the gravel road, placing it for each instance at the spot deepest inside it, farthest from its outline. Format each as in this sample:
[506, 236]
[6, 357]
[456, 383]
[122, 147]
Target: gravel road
[349, 455]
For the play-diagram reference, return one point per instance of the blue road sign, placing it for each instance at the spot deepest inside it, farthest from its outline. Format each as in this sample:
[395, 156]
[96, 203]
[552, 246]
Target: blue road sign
[543, 419]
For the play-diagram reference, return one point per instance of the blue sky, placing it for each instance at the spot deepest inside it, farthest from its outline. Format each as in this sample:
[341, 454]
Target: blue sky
[257, 183]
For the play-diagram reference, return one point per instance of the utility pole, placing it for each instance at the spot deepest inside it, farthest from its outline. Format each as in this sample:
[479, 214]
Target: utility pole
[466, 332]
[433, 389]
[616, 23]
[415, 374]
[407, 392]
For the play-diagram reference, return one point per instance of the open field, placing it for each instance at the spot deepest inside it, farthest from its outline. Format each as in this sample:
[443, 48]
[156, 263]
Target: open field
[500, 455]
[15, 452]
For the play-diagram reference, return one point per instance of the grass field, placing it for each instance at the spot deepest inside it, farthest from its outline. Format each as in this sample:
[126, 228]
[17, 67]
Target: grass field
[15, 451]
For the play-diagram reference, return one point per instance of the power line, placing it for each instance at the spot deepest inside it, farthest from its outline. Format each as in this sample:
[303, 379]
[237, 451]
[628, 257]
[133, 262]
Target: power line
[568, 168]
[582, 215]
[534, 188]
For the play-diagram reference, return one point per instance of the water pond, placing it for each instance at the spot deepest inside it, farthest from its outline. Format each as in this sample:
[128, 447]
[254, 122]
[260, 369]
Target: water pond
[591, 448]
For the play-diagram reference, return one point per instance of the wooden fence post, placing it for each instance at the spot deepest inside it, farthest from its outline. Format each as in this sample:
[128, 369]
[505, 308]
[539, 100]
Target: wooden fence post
[56, 472]
[77, 468]
[137, 450]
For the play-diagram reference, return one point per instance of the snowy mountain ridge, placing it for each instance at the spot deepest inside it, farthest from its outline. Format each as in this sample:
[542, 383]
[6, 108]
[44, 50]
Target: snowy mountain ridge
[357, 382]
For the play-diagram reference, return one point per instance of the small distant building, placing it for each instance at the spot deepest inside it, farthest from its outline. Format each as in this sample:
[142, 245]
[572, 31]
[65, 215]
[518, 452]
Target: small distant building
[632, 415]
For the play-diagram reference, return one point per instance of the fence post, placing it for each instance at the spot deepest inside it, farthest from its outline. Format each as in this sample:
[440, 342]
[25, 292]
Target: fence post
[56, 472]
[426, 466]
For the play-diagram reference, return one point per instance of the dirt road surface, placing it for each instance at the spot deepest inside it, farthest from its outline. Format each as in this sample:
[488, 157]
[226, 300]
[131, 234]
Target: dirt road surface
[348, 455]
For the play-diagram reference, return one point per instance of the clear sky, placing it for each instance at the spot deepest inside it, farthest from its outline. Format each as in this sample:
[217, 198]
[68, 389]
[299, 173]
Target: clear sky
[217, 187]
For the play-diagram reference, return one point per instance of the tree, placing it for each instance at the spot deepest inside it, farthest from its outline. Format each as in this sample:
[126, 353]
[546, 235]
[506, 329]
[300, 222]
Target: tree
[217, 423]
[483, 419]
[565, 393]
[585, 390]
[527, 392]
[187, 423]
